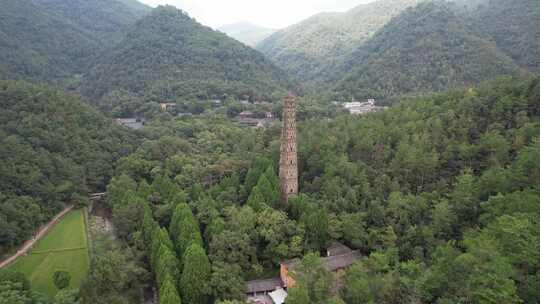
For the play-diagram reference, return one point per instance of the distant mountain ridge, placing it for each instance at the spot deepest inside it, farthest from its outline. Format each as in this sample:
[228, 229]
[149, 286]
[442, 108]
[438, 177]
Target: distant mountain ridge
[393, 47]
[426, 48]
[514, 26]
[112, 51]
[247, 33]
[310, 47]
[168, 55]
[51, 40]
[122, 51]
[102, 17]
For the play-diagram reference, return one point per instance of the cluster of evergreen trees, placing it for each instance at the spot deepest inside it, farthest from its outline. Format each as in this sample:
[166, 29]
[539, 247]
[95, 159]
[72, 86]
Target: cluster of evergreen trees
[438, 187]
[176, 255]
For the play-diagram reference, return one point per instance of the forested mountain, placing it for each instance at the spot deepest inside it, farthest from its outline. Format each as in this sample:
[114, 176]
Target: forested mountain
[54, 149]
[515, 27]
[136, 6]
[439, 193]
[470, 4]
[100, 17]
[168, 55]
[312, 46]
[52, 40]
[426, 48]
[396, 47]
[249, 34]
[39, 45]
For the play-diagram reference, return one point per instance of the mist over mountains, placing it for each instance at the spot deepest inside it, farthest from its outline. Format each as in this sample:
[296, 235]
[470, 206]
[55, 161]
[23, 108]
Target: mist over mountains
[247, 33]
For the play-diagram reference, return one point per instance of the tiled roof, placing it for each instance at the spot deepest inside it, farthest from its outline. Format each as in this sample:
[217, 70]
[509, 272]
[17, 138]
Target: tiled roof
[338, 249]
[331, 263]
[337, 262]
[263, 285]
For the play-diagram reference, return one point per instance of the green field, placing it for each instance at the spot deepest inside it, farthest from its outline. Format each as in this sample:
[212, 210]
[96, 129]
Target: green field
[63, 248]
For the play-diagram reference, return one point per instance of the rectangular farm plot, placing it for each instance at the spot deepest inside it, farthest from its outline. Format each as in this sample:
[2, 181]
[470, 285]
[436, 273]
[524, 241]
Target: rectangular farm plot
[63, 248]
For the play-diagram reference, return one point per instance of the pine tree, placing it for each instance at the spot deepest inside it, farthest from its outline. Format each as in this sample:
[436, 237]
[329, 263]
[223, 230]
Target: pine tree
[167, 265]
[160, 238]
[272, 177]
[269, 192]
[196, 275]
[252, 177]
[196, 191]
[256, 199]
[147, 226]
[315, 222]
[185, 229]
[118, 188]
[254, 173]
[179, 198]
[168, 293]
[179, 213]
[165, 188]
[144, 190]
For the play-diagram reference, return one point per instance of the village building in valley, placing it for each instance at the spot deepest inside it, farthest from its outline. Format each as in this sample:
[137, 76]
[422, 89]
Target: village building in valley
[256, 120]
[360, 108]
[131, 123]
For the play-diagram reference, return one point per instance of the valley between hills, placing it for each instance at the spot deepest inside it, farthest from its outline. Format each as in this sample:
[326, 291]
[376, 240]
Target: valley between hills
[388, 154]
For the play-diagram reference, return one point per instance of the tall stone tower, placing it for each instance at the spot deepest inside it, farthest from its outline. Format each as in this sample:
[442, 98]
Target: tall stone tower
[288, 166]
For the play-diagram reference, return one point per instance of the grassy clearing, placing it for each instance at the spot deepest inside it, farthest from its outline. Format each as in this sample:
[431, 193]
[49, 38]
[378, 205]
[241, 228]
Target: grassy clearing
[63, 248]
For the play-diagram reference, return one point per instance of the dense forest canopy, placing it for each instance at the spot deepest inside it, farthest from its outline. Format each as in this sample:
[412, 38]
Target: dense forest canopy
[52, 41]
[168, 55]
[54, 149]
[102, 18]
[439, 193]
[123, 55]
[514, 26]
[37, 45]
[390, 48]
[310, 48]
[431, 186]
[427, 48]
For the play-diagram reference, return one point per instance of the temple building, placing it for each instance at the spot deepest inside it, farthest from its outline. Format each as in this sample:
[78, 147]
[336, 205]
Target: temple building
[274, 291]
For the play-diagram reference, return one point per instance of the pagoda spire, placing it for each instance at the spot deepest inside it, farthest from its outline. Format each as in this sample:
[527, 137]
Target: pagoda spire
[288, 166]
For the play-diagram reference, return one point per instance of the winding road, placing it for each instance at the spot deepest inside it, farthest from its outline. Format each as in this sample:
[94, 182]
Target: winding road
[41, 232]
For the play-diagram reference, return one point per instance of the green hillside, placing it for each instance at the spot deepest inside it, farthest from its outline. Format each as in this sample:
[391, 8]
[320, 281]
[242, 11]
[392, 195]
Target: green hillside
[427, 48]
[101, 17]
[440, 194]
[52, 40]
[53, 149]
[168, 55]
[39, 45]
[515, 27]
[309, 48]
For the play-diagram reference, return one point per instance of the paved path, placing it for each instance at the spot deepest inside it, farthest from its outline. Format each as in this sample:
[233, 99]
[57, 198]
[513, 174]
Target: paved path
[40, 234]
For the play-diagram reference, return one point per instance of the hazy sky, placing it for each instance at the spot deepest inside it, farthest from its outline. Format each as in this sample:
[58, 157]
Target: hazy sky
[268, 13]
